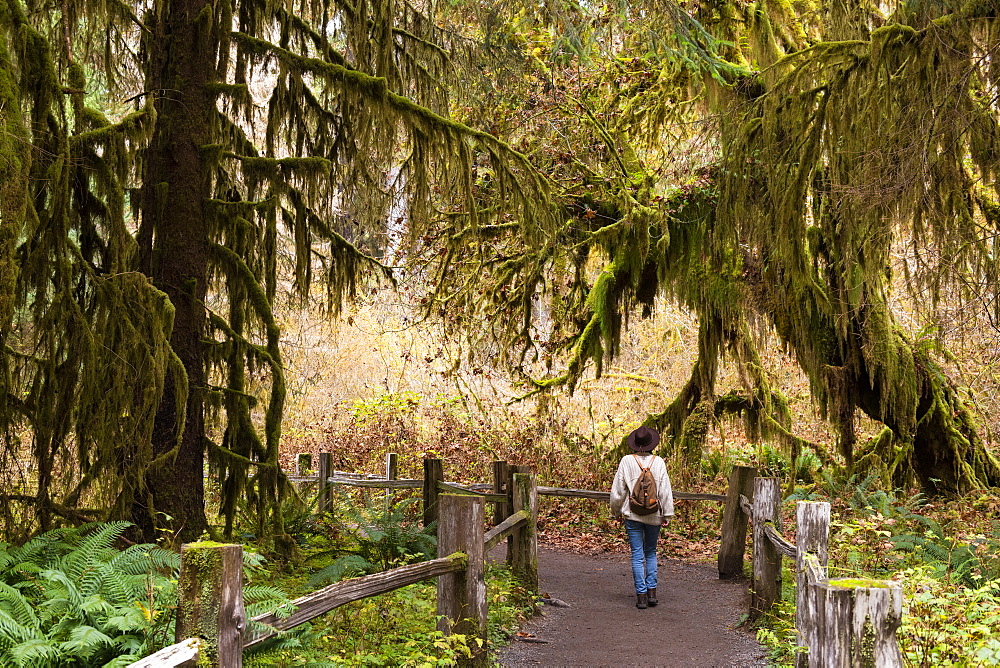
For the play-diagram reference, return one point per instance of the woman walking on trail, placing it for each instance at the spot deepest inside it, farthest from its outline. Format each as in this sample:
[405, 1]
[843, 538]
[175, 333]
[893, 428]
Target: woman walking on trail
[641, 495]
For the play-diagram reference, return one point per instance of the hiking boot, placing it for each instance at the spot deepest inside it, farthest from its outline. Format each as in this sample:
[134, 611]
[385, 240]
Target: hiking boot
[642, 601]
[652, 597]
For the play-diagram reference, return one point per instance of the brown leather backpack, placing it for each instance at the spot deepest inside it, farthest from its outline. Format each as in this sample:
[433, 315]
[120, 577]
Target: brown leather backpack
[642, 500]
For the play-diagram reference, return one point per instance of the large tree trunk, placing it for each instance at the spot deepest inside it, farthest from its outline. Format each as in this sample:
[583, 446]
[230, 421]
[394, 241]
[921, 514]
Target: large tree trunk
[14, 160]
[868, 364]
[942, 452]
[174, 247]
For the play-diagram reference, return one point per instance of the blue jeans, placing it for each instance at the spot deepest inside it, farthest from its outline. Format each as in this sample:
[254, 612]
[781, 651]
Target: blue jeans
[642, 539]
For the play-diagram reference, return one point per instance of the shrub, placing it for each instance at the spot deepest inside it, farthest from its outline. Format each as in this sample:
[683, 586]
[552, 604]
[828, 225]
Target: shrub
[394, 629]
[944, 625]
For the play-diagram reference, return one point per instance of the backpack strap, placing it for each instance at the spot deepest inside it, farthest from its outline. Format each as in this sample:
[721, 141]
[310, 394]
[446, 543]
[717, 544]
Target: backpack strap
[639, 462]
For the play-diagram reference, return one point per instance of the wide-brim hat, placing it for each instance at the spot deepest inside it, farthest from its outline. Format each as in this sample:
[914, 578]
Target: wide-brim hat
[643, 439]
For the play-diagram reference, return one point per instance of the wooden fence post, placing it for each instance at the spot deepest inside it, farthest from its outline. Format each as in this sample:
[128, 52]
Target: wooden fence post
[522, 553]
[831, 632]
[856, 625]
[325, 490]
[812, 521]
[391, 470]
[210, 602]
[461, 596]
[734, 523]
[303, 464]
[433, 474]
[509, 489]
[501, 471]
[766, 585]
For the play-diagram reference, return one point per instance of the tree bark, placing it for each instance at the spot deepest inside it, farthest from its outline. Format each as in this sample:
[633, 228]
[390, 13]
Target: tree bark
[174, 247]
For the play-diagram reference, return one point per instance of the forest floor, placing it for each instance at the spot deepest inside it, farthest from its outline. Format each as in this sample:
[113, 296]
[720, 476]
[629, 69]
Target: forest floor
[594, 621]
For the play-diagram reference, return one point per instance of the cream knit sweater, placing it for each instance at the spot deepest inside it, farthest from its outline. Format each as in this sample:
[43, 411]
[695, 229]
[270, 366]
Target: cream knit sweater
[627, 475]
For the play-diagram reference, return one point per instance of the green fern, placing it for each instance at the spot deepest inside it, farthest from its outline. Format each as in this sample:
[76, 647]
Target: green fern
[952, 559]
[389, 536]
[70, 598]
[349, 564]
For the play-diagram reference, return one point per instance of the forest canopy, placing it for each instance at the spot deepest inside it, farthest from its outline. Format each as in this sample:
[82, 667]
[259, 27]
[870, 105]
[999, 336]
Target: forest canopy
[169, 169]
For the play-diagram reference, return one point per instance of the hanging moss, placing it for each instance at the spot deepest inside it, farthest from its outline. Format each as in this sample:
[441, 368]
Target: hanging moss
[14, 168]
[869, 163]
[861, 126]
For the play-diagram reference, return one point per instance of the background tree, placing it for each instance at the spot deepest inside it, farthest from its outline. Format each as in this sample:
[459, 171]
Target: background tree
[151, 249]
[755, 162]
[816, 146]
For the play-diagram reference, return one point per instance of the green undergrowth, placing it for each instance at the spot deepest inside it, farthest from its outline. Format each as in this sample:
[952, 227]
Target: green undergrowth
[70, 597]
[394, 629]
[82, 597]
[366, 533]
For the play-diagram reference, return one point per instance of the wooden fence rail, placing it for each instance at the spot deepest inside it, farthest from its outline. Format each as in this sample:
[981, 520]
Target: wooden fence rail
[500, 531]
[184, 653]
[732, 549]
[337, 594]
[458, 512]
[210, 605]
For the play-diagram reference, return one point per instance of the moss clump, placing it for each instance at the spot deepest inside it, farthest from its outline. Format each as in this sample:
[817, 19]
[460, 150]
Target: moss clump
[859, 583]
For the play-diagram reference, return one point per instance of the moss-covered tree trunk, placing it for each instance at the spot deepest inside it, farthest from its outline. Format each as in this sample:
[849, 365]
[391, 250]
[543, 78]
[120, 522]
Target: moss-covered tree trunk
[858, 359]
[14, 158]
[939, 447]
[174, 249]
[13, 188]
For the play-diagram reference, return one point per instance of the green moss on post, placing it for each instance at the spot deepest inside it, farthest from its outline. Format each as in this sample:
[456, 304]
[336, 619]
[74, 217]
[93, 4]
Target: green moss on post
[859, 583]
[855, 624]
[210, 602]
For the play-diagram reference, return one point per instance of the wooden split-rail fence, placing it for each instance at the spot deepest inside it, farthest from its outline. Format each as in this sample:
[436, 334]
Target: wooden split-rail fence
[840, 622]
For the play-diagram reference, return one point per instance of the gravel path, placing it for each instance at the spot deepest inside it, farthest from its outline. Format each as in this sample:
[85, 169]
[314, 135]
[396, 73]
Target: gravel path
[694, 625]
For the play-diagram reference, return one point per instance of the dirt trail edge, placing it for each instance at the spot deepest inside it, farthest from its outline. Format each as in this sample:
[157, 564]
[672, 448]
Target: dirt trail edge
[693, 626]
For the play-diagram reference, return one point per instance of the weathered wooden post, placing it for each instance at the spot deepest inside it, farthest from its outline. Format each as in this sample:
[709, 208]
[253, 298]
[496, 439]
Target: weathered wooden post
[433, 474]
[501, 472]
[513, 469]
[461, 596]
[812, 521]
[766, 585]
[210, 602]
[522, 553]
[391, 470]
[325, 490]
[509, 490]
[831, 624]
[303, 464]
[856, 624]
[734, 522]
